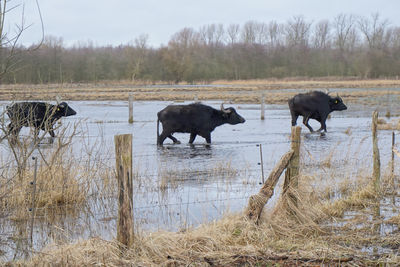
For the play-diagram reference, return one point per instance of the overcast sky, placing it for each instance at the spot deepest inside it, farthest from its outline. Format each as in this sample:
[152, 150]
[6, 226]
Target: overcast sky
[121, 21]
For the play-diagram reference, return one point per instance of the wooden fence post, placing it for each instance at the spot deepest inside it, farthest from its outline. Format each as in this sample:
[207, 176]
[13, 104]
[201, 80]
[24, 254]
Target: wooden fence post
[392, 163]
[291, 183]
[33, 208]
[375, 152]
[123, 159]
[292, 170]
[262, 164]
[130, 120]
[262, 106]
[257, 202]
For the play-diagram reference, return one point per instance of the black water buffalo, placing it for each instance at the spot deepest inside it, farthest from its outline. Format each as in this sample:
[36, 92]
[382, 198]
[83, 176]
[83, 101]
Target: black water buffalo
[314, 105]
[196, 119]
[39, 115]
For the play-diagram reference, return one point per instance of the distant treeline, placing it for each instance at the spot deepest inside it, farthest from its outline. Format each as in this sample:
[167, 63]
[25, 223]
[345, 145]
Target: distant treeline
[347, 45]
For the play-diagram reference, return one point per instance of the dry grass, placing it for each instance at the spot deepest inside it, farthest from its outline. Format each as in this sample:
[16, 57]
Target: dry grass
[236, 91]
[394, 124]
[288, 235]
[314, 231]
[56, 187]
[59, 181]
[356, 200]
[64, 181]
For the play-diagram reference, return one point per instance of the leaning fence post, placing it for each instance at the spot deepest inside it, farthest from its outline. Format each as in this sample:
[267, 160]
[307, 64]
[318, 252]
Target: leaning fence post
[375, 152]
[258, 201]
[123, 159]
[262, 106]
[130, 120]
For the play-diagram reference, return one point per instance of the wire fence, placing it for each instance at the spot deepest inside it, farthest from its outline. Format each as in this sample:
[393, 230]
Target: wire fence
[106, 159]
[103, 203]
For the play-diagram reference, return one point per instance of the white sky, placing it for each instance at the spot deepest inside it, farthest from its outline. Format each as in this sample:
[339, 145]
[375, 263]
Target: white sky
[121, 21]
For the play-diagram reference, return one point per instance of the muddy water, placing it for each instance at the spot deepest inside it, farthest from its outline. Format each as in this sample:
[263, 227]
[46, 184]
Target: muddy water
[179, 186]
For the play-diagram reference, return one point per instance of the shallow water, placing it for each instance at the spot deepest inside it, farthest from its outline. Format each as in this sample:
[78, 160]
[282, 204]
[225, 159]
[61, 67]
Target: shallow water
[200, 183]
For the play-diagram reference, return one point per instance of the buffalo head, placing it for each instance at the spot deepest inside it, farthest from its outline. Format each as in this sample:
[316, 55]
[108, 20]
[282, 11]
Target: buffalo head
[231, 115]
[64, 110]
[336, 103]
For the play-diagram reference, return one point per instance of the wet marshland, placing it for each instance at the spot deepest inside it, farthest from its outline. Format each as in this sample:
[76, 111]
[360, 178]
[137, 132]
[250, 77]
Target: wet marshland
[180, 186]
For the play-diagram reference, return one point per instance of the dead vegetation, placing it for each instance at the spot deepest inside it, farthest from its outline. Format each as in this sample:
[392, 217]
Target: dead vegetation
[319, 229]
[301, 234]
[341, 227]
[393, 124]
[236, 91]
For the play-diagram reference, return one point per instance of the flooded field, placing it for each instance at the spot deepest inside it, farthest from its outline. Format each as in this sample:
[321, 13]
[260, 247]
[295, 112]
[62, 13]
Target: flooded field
[181, 186]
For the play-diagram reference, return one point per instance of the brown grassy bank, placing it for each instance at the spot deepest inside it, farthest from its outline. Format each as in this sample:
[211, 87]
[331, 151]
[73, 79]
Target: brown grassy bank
[235, 91]
[284, 238]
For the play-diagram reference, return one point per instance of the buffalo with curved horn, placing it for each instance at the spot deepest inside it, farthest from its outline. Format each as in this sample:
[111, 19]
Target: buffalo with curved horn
[196, 119]
[314, 105]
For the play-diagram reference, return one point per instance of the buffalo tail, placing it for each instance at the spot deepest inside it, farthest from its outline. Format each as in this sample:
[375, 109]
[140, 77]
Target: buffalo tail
[158, 133]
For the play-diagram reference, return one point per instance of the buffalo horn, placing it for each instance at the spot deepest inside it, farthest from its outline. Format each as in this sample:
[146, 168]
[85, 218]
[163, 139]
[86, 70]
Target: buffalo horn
[224, 110]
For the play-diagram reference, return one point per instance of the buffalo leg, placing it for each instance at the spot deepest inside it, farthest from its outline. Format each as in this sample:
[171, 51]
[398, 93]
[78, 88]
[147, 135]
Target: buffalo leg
[14, 131]
[208, 138]
[323, 126]
[51, 132]
[176, 141]
[294, 118]
[162, 137]
[192, 137]
[305, 122]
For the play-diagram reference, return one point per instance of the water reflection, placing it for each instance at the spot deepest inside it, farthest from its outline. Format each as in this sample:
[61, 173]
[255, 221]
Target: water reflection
[180, 152]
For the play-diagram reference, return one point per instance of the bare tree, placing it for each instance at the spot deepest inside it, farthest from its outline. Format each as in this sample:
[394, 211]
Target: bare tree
[395, 37]
[9, 41]
[233, 33]
[249, 32]
[219, 34]
[275, 34]
[345, 34]
[321, 35]
[212, 34]
[178, 56]
[297, 32]
[202, 35]
[137, 55]
[375, 31]
[261, 33]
